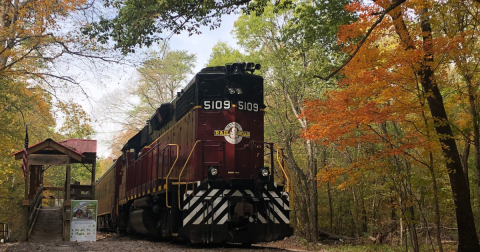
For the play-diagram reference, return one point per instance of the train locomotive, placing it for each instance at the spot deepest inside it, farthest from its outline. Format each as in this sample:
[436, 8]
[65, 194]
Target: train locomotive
[200, 170]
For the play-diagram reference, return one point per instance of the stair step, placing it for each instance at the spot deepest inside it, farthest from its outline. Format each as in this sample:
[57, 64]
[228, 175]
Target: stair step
[48, 226]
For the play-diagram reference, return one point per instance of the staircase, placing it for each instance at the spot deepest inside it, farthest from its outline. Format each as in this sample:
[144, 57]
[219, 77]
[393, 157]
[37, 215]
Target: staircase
[48, 226]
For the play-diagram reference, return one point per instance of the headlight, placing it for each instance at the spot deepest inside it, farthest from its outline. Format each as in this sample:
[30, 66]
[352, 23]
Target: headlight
[264, 172]
[214, 171]
[239, 90]
[231, 90]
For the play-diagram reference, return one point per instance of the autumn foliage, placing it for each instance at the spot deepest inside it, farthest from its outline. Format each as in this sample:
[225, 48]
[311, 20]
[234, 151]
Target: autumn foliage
[417, 62]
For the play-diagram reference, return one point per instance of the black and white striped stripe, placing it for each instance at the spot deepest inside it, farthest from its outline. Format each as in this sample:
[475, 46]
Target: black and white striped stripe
[210, 205]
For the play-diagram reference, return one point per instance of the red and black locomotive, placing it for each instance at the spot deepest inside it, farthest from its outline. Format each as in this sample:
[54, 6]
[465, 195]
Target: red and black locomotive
[200, 169]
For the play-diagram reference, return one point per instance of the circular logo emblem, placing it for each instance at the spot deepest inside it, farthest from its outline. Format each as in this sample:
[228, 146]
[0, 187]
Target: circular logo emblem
[233, 133]
[233, 128]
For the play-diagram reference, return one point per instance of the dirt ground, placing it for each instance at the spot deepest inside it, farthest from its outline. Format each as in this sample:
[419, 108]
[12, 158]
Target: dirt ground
[111, 243]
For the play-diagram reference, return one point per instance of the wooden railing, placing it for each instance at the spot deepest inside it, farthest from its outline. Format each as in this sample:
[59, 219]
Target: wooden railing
[33, 209]
[81, 192]
[4, 232]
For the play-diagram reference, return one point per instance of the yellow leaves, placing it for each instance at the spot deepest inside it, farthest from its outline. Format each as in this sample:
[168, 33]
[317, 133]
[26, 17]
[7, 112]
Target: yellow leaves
[330, 175]
[38, 25]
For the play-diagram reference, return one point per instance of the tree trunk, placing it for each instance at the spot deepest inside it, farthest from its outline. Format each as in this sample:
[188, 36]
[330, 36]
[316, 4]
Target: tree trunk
[476, 134]
[467, 236]
[437, 208]
[413, 230]
[329, 194]
[464, 157]
[330, 206]
[372, 226]
[355, 201]
[364, 212]
[301, 189]
[401, 221]
[312, 192]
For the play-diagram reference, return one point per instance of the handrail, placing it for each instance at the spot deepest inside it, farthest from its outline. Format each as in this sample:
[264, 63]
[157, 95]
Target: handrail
[180, 175]
[168, 175]
[291, 182]
[283, 170]
[186, 187]
[34, 211]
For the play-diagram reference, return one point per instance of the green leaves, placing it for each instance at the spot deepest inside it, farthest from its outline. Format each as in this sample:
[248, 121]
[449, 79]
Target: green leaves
[316, 24]
[139, 23]
[223, 54]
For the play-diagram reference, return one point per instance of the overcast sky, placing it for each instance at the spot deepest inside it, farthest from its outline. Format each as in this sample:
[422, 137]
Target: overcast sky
[115, 76]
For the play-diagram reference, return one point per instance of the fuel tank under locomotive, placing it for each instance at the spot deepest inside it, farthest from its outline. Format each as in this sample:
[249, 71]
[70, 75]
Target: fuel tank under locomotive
[143, 220]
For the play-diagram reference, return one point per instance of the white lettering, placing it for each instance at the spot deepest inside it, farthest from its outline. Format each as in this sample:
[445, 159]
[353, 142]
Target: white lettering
[206, 104]
[240, 105]
[218, 104]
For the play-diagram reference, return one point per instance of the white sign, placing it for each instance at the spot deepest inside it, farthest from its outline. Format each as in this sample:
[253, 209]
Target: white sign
[83, 230]
[83, 220]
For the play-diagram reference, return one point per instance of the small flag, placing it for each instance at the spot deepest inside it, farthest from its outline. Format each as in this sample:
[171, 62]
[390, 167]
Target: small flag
[26, 137]
[25, 156]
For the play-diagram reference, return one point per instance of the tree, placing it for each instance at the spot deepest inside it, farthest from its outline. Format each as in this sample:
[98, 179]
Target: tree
[36, 35]
[393, 72]
[76, 122]
[465, 58]
[19, 106]
[162, 75]
[143, 22]
[223, 54]
[287, 66]
[159, 78]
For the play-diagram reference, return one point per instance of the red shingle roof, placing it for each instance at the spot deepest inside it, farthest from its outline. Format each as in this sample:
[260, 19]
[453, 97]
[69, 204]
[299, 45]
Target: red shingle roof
[81, 145]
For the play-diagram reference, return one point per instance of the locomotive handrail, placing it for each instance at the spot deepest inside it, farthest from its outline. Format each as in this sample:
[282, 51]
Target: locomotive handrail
[168, 175]
[180, 175]
[283, 170]
[290, 187]
[289, 184]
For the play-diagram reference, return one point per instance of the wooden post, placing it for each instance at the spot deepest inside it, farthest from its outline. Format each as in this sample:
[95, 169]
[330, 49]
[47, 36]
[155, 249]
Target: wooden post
[26, 183]
[25, 217]
[42, 172]
[67, 181]
[94, 165]
[33, 184]
[67, 204]
[67, 207]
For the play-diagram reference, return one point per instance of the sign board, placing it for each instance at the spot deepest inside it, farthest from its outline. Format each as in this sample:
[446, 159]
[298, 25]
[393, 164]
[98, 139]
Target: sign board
[83, 216]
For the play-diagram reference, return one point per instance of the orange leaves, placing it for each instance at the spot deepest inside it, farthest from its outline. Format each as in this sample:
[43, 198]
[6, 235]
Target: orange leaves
[330, 175]
[27, 31]
[379, 107]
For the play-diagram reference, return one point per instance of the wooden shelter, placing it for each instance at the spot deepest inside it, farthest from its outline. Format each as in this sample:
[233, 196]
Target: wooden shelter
[47, 153]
